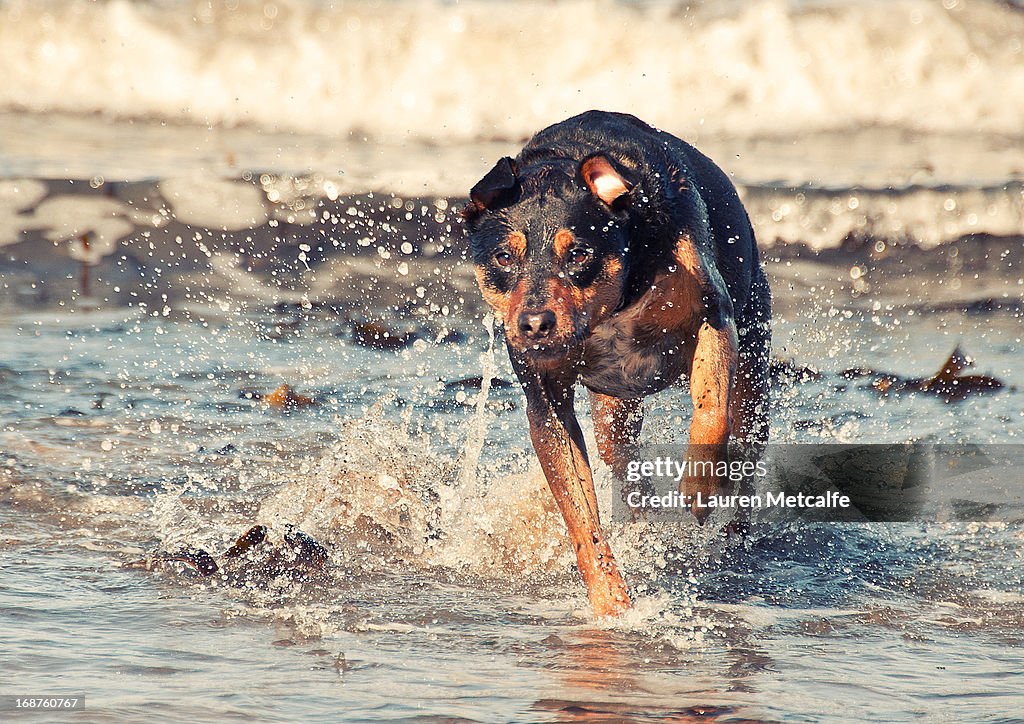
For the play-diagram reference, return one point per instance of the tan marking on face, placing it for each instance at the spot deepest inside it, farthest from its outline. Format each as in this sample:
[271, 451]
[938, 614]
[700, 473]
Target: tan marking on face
[563, 240]
[517, 243]
[515, 301]
[566, 301]
[496, 300]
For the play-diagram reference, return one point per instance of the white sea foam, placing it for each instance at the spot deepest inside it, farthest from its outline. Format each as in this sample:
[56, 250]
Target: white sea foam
[213, 203]
[429, 69]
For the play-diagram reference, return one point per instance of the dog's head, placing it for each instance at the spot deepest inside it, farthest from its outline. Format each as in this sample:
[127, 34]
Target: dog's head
[550, 245]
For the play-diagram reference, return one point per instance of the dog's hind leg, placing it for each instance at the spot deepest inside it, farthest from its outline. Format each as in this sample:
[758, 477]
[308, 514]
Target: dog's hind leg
[617, 425]
[750, 411]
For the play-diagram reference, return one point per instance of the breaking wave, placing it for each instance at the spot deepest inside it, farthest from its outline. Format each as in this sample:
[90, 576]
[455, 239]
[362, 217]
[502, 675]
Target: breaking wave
[472, 70]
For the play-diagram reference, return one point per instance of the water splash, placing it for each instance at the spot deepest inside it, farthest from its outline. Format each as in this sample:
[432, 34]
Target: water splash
[478, 427]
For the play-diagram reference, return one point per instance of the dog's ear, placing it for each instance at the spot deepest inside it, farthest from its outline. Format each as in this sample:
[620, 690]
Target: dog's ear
[603, 180]
[499, 182]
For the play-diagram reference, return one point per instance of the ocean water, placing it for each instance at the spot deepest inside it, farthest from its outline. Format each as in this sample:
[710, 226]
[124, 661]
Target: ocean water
[450, 593]
[202, 201]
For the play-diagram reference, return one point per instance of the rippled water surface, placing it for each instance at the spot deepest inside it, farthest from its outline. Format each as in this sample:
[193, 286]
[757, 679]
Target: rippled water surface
[450, 595]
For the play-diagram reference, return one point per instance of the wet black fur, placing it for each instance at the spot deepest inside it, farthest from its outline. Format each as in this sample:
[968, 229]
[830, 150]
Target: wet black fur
[541, 198]
[674, 189]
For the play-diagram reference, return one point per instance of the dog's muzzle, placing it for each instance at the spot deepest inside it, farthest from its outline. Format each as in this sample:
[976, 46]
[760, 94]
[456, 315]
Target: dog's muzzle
[537, 327]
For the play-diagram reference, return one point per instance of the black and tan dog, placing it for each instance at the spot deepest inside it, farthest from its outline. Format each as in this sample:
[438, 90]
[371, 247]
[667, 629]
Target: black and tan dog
[620, 257]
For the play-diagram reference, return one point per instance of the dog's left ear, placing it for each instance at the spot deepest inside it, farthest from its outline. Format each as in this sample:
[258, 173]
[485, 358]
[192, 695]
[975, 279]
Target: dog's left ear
[603, 180]
[489, 191]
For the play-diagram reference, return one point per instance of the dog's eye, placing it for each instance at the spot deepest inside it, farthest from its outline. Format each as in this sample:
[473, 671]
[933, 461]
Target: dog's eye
[578, 255]
[503, 259]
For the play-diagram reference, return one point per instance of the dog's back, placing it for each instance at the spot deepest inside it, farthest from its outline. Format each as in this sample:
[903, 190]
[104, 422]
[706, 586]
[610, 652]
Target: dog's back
[684, 190]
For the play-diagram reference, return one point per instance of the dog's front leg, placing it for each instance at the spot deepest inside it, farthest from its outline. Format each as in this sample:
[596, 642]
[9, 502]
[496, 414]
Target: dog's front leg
[558, 440]
[711, 383]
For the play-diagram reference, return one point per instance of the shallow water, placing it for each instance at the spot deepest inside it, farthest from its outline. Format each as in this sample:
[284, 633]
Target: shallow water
[468, 607]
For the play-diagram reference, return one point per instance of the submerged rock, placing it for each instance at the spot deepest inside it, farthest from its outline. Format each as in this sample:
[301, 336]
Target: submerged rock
[476, 382]
[787, 371]
[251, 558]
[948, 383]
[377, 336]
[282, 398]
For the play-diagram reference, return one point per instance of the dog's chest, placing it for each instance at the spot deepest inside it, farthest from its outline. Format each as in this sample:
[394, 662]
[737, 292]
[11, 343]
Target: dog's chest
[625, 357]
[647, 346]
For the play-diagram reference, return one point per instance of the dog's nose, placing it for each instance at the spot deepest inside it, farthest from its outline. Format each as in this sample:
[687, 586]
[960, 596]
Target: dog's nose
[537, 326]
